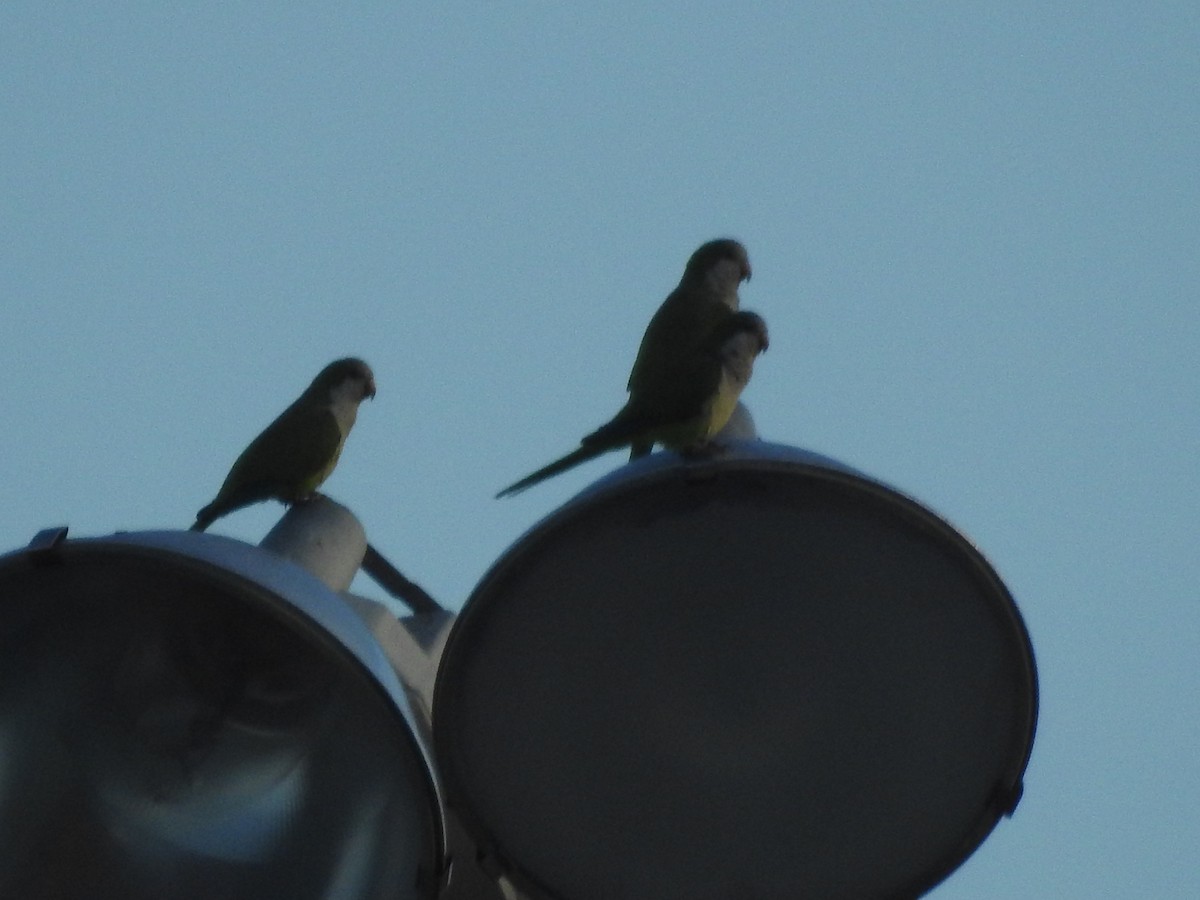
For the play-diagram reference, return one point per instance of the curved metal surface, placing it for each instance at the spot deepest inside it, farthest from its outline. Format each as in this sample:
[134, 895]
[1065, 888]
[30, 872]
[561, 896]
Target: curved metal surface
[761, 674]
[185, 715]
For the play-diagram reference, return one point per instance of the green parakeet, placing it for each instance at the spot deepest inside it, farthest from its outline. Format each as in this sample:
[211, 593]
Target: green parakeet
[298, 451]
[707, 388]
[707, 294]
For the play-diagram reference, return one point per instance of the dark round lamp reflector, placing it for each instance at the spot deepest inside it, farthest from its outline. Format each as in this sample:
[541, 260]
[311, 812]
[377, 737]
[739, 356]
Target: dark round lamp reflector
[762, 675]
[186, 716]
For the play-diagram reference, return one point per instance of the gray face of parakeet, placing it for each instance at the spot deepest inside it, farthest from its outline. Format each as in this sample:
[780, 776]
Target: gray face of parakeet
[722, 263]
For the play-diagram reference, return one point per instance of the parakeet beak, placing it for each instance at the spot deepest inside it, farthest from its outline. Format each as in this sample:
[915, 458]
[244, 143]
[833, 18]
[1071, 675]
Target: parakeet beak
[369, 390]
[760, 331]
[746, 272]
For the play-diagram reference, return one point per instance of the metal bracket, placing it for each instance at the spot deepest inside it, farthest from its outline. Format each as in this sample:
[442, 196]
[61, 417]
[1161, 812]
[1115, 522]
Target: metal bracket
[44, 546]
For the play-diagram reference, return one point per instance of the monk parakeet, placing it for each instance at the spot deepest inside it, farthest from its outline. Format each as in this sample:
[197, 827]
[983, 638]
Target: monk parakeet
[707, 388]
[707, 294]
[678, 336]
[299, 450]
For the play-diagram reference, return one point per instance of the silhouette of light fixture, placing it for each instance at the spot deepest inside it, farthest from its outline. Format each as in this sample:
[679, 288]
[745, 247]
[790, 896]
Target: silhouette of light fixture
[187, 716]
[758, 675]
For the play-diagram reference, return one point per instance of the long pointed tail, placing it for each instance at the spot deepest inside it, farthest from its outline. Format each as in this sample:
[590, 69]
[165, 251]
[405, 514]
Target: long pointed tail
[574, 458]
[204, 518]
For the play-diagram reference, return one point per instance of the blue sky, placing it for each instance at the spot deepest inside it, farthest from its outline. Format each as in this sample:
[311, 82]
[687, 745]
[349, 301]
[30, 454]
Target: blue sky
[974, 235]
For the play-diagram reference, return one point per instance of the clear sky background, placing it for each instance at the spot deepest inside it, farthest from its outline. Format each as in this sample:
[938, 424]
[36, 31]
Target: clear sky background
[974, 234]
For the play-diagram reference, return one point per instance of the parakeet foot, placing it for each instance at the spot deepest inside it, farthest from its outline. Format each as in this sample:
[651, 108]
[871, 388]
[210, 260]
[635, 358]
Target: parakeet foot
[704, 450]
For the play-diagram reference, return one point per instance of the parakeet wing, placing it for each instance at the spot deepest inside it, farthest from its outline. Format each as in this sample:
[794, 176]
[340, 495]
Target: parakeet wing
[290, 458]
[674, 402]
[676, 333]
[694, 400]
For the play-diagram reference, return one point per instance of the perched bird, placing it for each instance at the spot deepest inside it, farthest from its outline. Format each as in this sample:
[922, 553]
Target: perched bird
[675, 343]
[298, 451]
[707, 294]
[707, 390]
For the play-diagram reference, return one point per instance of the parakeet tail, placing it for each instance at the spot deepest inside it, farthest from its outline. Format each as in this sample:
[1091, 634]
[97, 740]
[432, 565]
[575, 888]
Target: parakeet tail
[212, 512]
[204, 518]
[574, 458]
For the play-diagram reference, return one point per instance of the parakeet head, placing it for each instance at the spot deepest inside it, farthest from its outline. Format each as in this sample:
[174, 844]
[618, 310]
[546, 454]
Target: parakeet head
[724, 258]
[351, 378]
[744, 330]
